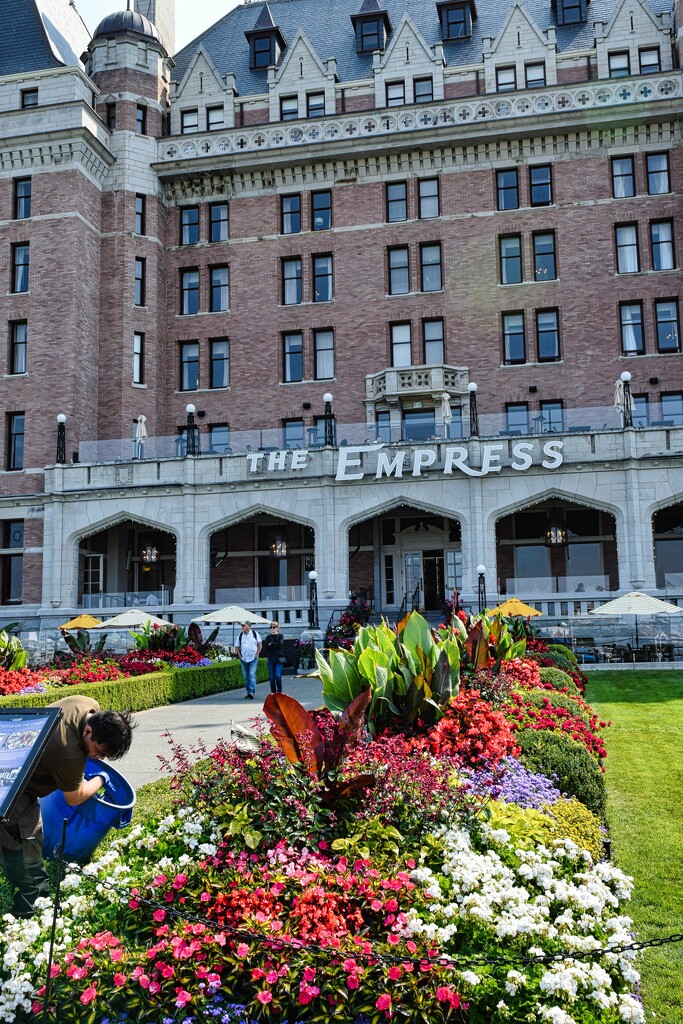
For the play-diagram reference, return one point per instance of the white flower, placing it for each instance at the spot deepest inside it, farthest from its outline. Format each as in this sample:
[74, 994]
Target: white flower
[470, 978]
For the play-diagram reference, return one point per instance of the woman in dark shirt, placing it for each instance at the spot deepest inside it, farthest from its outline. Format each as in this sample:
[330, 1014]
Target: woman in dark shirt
[273, 648]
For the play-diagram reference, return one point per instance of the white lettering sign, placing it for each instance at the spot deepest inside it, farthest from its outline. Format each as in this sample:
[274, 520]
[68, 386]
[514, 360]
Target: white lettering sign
[395, 463]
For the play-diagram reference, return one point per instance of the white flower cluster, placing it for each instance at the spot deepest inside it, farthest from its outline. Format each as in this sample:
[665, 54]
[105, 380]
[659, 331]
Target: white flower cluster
[555, 896]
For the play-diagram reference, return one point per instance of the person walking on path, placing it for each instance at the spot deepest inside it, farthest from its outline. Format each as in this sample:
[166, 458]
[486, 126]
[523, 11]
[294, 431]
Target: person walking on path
[274, 648]
[249, 648]
[82, 732]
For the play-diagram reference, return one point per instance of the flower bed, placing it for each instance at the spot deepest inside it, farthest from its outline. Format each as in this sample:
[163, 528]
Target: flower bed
[375, 863]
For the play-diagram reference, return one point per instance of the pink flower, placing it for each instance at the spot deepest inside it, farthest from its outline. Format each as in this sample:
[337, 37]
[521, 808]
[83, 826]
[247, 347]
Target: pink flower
[205, 897]
[352, 981]
[264, 997]
[394, 973]
[55, 970]
[119, 980]
[182, 997]
[159, 915]
[89, 995]
[242, 950]
[271, 977]
[383, 1002]
[309, 974]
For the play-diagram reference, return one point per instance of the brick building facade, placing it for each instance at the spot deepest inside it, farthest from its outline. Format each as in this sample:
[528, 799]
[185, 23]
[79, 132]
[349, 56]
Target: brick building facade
[462, 222]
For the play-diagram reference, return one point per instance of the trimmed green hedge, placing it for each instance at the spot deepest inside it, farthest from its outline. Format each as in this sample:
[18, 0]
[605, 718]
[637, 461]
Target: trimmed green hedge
[153, 690]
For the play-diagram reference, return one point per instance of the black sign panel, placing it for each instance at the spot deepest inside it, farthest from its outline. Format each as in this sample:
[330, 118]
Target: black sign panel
[24, 733]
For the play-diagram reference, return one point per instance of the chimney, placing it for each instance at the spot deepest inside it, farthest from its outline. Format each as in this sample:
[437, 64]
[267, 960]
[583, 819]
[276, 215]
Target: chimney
[162, 15]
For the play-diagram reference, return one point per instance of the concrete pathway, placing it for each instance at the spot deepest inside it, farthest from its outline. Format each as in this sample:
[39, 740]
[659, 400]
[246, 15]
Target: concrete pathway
[205, 719]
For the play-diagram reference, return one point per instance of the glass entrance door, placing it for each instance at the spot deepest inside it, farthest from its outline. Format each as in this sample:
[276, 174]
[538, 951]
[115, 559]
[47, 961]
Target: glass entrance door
[433, 575]
[412, 562]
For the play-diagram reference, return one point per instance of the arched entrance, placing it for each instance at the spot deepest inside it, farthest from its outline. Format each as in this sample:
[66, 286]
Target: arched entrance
[263, 563]
[557, 547]
[667, 526]
[128, 564]
[405, 558]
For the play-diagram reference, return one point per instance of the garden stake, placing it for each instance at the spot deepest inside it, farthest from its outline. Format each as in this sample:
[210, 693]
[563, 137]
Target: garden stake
[55, 914]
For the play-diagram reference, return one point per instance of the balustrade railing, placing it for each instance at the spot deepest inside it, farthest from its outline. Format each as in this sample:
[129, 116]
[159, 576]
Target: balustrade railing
[128, 599]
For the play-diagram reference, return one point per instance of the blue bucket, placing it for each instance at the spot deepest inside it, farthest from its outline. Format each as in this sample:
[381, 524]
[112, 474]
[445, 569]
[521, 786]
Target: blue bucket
[87, 824]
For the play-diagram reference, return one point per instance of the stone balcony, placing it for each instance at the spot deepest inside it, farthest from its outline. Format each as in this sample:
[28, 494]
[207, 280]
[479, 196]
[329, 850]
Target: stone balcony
[414, 381]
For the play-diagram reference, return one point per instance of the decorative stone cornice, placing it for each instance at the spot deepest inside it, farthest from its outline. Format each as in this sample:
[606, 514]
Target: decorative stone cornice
[56, 153]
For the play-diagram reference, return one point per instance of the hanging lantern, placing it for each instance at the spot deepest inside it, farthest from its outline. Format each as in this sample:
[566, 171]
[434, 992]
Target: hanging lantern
[278, 548]
[555, 534]
[149, 554]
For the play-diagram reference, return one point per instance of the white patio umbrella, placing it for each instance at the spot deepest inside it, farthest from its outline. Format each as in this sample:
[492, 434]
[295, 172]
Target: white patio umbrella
[132, 618]
[637, 603]
[232, 613]
[140, 436]
[446, 412]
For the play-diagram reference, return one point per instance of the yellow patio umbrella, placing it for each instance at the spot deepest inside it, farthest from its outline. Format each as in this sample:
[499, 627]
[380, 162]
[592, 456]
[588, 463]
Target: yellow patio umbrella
[513, 606]
[81, 622]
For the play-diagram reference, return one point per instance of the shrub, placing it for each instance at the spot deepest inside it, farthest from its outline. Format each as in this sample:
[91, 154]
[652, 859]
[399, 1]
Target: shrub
[526, 826]
[565, 652]
[534, 710]
[576, 822]
[551, 661]
[578, 708]
[558, 679]
[576, 772]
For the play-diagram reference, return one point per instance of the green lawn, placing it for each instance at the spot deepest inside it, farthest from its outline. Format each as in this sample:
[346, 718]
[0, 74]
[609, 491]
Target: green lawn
[645, 814]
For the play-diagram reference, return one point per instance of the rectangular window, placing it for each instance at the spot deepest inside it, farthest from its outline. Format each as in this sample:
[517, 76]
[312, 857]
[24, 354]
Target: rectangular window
[140, 120]
[15, 440]
[293, 433]
[534, 75]
[140, 214]
[322, 279]
[428, 198]
[315, 104]
[140, 275]
[619, 64]
[110, 116]
[20, 267]
[672, 407]
[22, 198]
[423, 90]
[657, 173]
[138, 358]
[396, 93]
[541, 185]
[29, 98]
[389, 586]
[433, 342]
[514, 343]
[262, 51]
[189, 225]
[368, 35]
[506, 79]
[219, 299]
[219, 439]
[291, 282]
[189, 292]
[289, 108]
[628, 259]
[18, 345]
[545, 268]
[517, 417]
[507, 183]
[12, 564]
[455, 21]
[431, 277]
[648, 59]
[419, 424]
[623, 178]
[189, 366]
[293, 349]
[323, 346]
[321, 210]
[220, 363]
[641, 410]
[397, 201]
[571, 12]
[291, 214]
[455, 429]
[400, 345]
[215, 119]
[662, 238]
[189, 121]
[552, 417]
[383, 426]
[548, 334]
[631, 318]
[666, 323]
[399, 275]
[510, 256]
[218, 222]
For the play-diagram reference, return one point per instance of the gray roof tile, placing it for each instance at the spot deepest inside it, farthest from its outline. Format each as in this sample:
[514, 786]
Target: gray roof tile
[39, 34]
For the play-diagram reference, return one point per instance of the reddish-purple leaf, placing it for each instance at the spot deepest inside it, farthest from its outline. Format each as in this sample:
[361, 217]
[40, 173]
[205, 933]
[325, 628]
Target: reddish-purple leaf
[295, 731]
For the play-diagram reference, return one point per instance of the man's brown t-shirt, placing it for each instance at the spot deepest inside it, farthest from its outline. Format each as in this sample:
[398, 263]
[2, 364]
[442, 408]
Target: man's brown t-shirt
[62, 763]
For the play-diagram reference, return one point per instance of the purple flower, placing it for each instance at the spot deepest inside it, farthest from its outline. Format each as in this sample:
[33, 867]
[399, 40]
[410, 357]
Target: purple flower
[514, 784]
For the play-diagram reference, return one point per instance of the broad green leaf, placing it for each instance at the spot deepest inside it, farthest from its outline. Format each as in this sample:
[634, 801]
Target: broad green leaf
[370, 661]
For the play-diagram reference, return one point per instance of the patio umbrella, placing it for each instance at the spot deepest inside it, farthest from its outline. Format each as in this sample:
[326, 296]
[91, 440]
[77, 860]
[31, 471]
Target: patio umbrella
[82, 622]
[133, 618]
[637, 603]
[140, 435]
[513, 606]
[232, 613]
[446, 412]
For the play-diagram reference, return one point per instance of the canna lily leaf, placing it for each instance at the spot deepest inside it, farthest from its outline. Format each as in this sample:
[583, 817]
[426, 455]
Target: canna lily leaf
[295, 731]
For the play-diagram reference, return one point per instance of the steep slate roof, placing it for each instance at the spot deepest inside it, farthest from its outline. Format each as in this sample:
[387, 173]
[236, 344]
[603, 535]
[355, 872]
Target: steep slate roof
[327, 24]
[40, 34]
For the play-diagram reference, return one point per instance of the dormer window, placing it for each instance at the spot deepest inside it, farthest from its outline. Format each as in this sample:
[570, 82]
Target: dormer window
[456, 19]
[266, 41]
[372, 27]
[571, 12]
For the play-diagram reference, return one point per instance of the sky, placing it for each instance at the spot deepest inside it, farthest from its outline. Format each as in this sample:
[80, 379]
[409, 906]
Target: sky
[192, 16]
